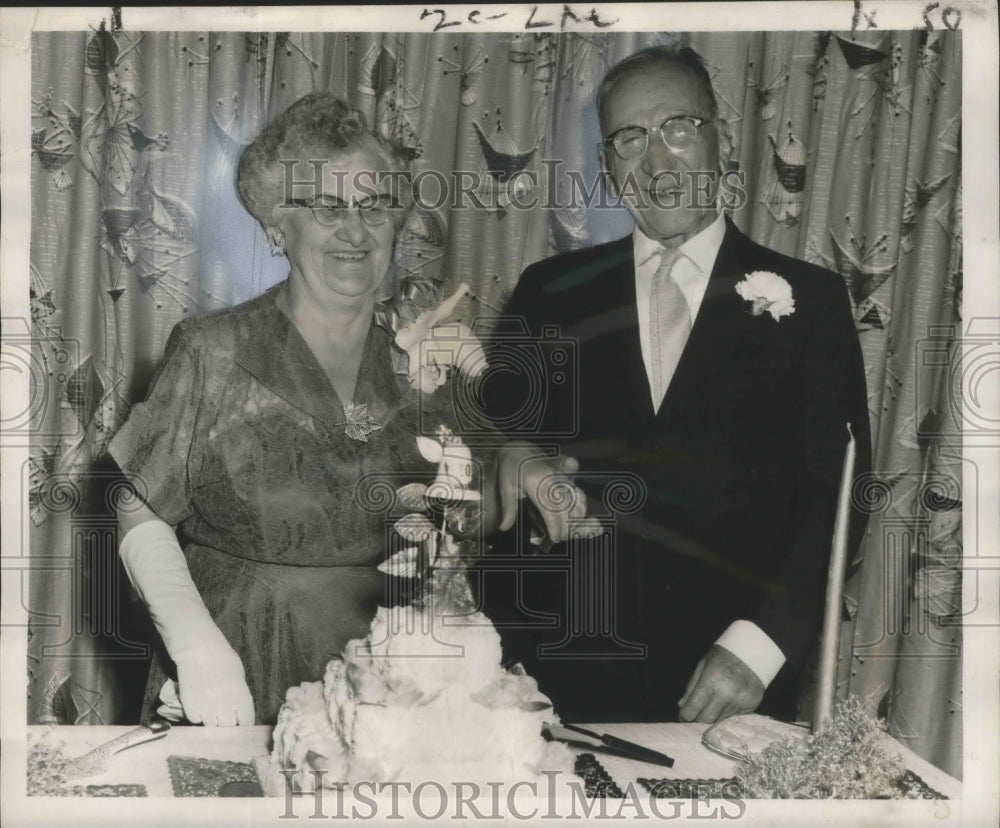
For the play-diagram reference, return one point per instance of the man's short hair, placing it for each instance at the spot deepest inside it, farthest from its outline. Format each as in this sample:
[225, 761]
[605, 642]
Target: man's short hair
[674, 54]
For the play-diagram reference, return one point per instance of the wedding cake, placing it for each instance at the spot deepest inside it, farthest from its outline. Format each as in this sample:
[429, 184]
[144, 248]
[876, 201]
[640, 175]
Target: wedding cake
[422, 697]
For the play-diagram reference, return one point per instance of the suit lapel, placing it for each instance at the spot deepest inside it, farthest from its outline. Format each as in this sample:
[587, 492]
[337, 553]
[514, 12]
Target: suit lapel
[632, 366]
[609, 337]
[717, 328]
[636, 374]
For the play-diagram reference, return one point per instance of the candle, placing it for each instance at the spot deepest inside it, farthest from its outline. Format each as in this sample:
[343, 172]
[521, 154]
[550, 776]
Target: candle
[826, 682]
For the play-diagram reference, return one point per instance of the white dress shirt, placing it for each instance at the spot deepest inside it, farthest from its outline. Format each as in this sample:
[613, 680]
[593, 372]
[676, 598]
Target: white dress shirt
[691, 272]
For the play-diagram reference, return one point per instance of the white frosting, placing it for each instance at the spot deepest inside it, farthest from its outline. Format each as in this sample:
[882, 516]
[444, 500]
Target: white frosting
[422, 697]
[411, 649]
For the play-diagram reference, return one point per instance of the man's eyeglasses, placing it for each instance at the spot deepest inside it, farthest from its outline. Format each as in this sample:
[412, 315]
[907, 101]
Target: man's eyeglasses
[678, 133]
[330, 211]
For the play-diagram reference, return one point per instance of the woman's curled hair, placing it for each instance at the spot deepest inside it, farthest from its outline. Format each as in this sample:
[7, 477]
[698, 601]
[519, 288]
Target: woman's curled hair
[316, 122]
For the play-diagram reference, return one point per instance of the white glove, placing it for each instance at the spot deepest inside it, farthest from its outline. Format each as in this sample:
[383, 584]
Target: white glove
[170, 702]
[213, 688]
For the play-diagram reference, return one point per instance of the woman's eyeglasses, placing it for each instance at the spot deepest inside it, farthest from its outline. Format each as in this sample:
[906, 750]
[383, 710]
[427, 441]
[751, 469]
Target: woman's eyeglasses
[330, 211]
[678, 133]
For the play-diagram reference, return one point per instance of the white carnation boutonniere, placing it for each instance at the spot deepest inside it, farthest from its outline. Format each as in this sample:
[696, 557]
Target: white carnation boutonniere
[768, 292]
[434, 348]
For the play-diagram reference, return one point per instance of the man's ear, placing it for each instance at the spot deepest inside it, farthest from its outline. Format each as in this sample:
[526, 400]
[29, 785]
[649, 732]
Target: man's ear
[726, 146]
[609, 177]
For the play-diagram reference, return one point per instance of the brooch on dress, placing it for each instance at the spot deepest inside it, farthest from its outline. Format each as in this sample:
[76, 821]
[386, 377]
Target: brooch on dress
[359, 423]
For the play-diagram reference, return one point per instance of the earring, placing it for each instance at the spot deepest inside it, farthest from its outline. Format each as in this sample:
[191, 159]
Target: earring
[277, 241]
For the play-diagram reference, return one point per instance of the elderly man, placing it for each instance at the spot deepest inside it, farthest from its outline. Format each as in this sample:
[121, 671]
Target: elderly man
[718, 377]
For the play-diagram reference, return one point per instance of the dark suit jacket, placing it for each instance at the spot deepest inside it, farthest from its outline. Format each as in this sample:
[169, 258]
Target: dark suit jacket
[739, 471]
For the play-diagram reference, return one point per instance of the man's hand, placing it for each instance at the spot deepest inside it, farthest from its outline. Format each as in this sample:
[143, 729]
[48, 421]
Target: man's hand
[722, 686]
[525, 471]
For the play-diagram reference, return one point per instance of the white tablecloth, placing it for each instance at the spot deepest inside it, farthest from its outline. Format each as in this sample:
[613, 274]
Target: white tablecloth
[147, 764]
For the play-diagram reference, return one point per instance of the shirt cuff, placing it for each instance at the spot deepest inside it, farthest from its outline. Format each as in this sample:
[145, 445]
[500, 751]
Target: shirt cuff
[754, 647]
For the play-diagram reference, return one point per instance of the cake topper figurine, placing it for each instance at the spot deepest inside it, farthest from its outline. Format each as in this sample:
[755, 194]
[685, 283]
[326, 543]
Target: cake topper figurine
[450, 504]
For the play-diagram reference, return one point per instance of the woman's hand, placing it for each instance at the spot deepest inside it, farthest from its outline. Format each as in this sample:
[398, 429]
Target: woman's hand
[524, 470]
[213, 687]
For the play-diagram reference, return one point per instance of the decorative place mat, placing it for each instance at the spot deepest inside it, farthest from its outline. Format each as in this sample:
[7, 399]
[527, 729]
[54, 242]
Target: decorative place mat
[693, 788]
[597, 781]
[194, 776]
[105, 790]
[913, 784]
[910, 785]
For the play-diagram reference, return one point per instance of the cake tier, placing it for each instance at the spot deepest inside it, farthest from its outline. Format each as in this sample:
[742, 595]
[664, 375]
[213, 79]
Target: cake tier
[421, 698]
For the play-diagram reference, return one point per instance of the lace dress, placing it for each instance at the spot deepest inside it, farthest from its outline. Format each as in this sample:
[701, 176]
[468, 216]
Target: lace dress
[242, 445]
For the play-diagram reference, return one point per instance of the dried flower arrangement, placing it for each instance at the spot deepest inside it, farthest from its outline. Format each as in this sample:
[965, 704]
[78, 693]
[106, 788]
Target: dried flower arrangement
[47, 764]
[849, 759]
[48, 769]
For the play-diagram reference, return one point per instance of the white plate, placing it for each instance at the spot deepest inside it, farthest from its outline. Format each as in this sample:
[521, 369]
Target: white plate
[741, 736]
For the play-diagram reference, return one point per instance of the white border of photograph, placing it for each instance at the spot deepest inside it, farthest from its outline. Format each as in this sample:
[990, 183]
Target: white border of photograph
[978, 22]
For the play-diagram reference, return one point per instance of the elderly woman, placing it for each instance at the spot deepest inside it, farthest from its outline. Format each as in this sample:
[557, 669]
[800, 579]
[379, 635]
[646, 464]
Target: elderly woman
[260, 424]
[243, 444]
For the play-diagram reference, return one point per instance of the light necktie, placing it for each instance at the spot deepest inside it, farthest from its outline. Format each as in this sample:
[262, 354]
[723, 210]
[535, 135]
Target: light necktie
[669, 324]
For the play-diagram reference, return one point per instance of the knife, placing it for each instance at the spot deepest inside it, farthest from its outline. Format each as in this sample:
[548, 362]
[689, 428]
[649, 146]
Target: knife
[612, 744]
[95, 762]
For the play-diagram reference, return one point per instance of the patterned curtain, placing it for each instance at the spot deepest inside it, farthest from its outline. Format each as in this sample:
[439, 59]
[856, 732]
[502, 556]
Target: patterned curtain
[850, 148]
